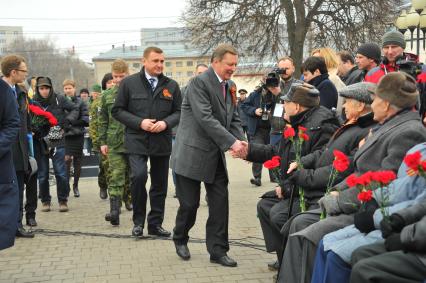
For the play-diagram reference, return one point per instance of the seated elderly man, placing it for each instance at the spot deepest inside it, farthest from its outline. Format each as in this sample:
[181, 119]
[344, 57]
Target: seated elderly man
[399, 128]
[302, 109]
[318, 165]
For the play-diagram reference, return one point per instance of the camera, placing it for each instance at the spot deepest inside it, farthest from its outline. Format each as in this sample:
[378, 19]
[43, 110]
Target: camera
[408, 63]
[273, 78]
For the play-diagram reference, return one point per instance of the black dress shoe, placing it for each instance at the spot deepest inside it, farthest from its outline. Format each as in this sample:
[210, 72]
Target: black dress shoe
[159, 231]
[103, 194]
[224, 260]
[183, 251]
[274, 266]
[137, 231]
[22, 233]
[31, 222]
[256, 182]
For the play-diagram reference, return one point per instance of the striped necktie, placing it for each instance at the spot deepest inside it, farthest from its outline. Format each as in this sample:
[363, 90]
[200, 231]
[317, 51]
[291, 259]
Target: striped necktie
[152, 82]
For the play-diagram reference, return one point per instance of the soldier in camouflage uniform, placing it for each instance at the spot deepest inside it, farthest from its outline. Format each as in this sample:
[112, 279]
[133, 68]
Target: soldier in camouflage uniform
[111, 140]
[94, 112]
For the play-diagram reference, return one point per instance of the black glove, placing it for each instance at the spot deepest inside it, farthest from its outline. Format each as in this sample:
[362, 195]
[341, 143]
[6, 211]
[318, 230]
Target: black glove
[67, 124]
[287, 187]
[394, 224]
[363, 219]
[78, 123]
[393, 243]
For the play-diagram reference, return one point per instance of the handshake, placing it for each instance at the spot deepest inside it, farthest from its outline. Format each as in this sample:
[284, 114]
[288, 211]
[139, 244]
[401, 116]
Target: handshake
[239, 149]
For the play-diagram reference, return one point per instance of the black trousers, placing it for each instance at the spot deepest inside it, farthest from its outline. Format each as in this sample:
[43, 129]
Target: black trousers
[157, 193]
[188, 194]
[273, 214]
[260, 137]
[373, 263]
[29, 184]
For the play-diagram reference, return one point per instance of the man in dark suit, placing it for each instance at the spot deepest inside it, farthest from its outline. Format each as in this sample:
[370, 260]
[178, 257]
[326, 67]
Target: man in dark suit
[15, 70]
[148, 104]
[209, 126]
[9, 194]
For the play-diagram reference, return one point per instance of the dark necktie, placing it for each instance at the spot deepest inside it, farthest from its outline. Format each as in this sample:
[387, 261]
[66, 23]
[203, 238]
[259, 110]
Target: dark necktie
[152, 82]
[223, 83]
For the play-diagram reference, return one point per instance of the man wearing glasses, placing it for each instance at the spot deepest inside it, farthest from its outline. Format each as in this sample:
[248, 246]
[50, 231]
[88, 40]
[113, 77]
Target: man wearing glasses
[15, 70]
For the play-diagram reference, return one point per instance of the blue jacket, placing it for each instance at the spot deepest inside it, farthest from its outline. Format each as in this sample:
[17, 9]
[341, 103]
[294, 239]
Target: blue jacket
[9, 200]
[249, 107]
[403, 192]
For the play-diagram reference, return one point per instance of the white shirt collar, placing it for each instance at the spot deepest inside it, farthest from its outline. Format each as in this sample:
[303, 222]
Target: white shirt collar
[219, 78]
[148, 76]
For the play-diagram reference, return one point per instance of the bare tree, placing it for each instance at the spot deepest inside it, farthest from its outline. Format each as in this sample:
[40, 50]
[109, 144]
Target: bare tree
[44, 59]
[271, 28]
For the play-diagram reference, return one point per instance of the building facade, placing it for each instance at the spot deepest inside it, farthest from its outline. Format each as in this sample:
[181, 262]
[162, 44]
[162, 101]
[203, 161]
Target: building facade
[8, 34]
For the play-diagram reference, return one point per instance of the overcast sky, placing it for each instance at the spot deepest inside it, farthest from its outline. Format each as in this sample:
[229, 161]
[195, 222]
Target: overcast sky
[92, 26]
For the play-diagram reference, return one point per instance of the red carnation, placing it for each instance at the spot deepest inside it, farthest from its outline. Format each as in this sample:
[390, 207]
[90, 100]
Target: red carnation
[413, 160]
[302, 129]
[276, 157]
[365, 179]
[365, 196]
[289, 133]
[304, 136]
[341, 161]
[271, 164]
[383, 177]
[352, 180]
[423, 164]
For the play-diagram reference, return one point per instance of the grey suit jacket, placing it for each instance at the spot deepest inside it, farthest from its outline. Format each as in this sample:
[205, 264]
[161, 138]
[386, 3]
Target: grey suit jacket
[208, 127]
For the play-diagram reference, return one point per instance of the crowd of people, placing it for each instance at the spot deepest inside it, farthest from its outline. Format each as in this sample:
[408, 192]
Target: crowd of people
[366, 107]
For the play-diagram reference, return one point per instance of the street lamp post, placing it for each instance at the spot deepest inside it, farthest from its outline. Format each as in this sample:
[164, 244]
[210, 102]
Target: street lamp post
[415, 20]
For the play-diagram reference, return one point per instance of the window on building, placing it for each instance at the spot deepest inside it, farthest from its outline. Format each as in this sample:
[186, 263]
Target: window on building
[178, 74]
[168, 64]
[200, 62]
[179, 64]
[189, 74]
[136, 65]
[189, 63]
[169, 74]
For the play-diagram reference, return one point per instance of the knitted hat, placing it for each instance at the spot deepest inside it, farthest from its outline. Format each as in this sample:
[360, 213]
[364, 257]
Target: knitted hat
[96, 88]
[304, 94]
[370, 50]
[85, 90]
[397, 88]
[393, 37]
[359, 91]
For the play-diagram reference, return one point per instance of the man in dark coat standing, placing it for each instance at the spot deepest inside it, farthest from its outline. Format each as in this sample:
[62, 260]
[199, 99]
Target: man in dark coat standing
[15, 70]
[209, 126]
[9, 195]
[148, 104]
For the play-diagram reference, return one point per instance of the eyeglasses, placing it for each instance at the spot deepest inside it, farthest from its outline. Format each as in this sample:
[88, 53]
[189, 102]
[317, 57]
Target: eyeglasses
[24, 71]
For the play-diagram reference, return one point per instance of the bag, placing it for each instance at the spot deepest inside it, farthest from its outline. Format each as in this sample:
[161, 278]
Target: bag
[55, 133]
[55, 137]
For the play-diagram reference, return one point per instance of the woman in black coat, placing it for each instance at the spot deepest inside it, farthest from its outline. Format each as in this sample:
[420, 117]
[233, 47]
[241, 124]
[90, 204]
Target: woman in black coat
[74, 135]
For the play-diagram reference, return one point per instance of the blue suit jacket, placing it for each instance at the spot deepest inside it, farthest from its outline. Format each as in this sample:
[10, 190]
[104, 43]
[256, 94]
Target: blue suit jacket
[9, 200]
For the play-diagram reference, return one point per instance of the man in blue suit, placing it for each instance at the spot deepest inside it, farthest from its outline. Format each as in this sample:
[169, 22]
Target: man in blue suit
[9, 195]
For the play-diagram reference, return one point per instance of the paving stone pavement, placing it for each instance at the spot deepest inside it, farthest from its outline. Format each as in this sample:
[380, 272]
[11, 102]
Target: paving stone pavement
[89, 258]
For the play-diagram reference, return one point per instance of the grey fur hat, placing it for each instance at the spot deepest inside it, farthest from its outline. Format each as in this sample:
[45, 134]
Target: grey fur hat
[398, 88]
[359, 91]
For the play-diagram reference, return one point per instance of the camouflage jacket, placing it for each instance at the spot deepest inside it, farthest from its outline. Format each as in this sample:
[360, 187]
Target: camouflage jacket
[111, 132]
[94, 112]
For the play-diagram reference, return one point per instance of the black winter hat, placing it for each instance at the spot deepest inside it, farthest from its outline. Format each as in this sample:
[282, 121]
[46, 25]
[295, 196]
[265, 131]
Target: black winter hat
[370, 50]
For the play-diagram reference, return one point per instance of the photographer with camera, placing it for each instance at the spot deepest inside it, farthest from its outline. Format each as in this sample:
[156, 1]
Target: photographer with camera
[256, 107]
[279, 87]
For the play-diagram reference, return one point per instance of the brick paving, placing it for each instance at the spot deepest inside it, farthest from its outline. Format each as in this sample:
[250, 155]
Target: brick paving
[89, 258]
